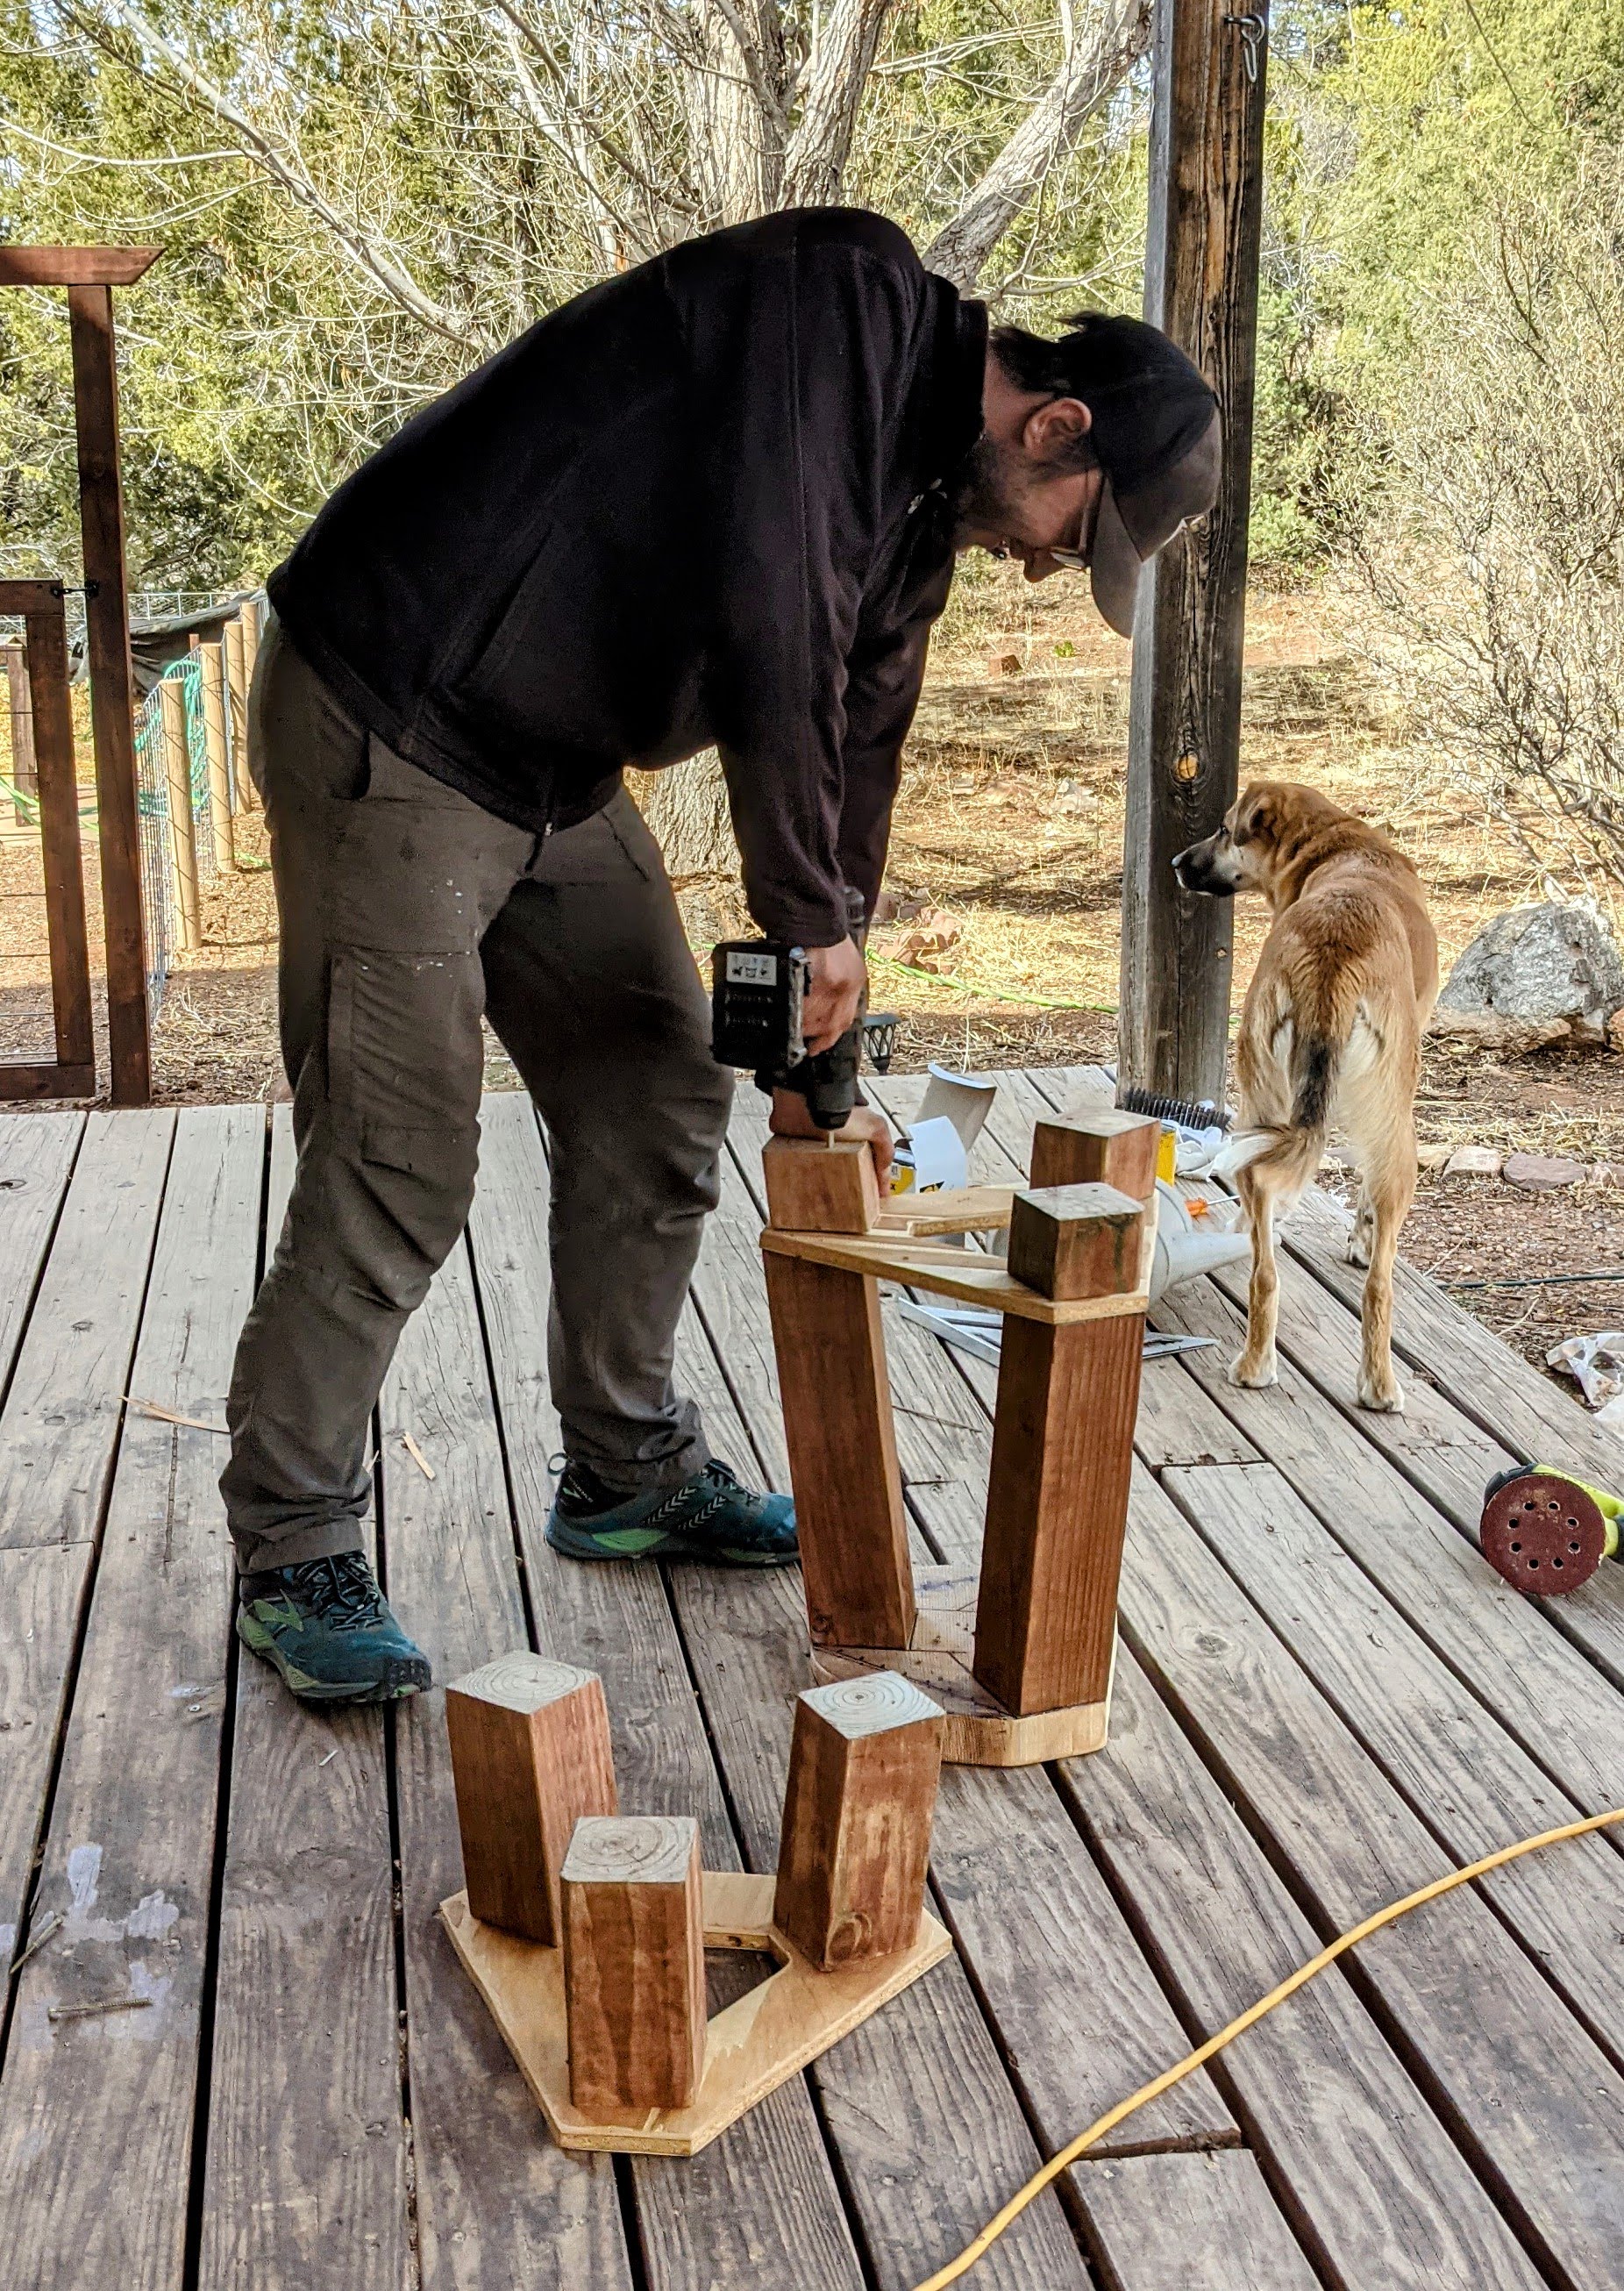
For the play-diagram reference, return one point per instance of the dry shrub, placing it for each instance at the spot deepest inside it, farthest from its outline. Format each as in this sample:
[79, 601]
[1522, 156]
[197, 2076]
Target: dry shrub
[1494, 553]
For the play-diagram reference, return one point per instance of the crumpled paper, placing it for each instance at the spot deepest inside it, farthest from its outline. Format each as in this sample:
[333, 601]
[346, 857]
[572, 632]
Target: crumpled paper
[1597, 1364]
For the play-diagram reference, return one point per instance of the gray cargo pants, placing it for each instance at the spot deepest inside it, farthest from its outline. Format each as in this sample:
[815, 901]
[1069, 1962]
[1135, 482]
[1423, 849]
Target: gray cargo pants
[406, 913]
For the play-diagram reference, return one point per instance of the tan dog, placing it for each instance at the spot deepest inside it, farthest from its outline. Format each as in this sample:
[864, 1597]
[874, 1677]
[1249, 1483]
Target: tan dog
[1331, 1034]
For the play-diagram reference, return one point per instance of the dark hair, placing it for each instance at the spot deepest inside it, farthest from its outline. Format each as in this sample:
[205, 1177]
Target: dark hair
[1032, 362]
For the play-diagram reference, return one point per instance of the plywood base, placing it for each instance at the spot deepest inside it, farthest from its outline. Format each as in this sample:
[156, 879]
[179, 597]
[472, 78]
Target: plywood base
[980, 1732]
[751, 2049]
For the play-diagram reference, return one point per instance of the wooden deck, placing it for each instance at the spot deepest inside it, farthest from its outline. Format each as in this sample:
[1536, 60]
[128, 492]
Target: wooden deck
[1323, 1699]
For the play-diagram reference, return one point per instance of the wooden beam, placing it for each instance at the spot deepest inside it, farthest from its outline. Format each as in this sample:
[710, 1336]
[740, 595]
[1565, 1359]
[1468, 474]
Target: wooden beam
[838, 1428]
[530, 1755]
[75, 266]
[864, 1760]
[1200, 285]
[112, 688]
[634, 1964]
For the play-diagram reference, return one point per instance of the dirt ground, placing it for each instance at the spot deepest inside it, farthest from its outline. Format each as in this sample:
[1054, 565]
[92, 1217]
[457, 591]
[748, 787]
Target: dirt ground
[1007, 860]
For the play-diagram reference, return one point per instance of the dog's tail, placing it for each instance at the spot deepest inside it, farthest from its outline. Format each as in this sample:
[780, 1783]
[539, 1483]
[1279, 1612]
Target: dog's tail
[1291, 1151]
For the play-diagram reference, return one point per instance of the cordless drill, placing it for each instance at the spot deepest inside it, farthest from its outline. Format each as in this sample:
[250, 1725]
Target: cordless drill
[758, 993]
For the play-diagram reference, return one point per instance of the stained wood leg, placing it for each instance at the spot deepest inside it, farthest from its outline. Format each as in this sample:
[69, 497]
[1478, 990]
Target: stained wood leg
[529, 1754]
[1061, 1455]
[634, 1965]
[842, 1446]
[864, 1761]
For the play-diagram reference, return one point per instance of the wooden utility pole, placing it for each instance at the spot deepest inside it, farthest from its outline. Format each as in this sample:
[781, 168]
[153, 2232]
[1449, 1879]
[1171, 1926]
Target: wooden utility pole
[25, 771]
[1200, 286]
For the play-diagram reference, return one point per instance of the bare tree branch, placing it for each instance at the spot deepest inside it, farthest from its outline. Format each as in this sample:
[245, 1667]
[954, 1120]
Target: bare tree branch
[837, 78]
[288, 172]
[1092, 68]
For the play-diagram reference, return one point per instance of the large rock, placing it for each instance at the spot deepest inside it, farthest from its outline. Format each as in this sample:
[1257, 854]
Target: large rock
[1541, 974]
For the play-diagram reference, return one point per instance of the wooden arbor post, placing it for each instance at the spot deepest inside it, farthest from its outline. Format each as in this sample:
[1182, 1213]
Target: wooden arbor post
[1019, 1657]
[1200, 286]
[90, 274]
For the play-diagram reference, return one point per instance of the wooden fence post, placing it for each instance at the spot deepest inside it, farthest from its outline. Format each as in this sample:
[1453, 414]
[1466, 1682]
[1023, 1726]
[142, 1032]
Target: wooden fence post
[1200, 285]
[237, 686]
[212, 684]
[112, 687]
[182, 835]
[25, 765]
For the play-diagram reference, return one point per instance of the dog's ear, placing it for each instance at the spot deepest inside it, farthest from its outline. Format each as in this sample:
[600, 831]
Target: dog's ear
[1255, 817]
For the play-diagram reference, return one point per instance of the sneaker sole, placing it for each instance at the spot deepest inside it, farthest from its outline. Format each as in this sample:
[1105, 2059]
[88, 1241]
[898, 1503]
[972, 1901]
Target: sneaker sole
[408, 1675]
[575, 1546]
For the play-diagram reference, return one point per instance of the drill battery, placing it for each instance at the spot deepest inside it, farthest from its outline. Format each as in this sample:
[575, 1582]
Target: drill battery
[758, 994]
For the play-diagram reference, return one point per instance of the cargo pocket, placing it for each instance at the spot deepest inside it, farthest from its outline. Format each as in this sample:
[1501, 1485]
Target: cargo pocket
[404, 1054]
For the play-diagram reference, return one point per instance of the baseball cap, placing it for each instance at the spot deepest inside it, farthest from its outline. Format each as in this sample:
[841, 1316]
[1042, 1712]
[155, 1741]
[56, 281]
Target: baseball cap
[1159, 438]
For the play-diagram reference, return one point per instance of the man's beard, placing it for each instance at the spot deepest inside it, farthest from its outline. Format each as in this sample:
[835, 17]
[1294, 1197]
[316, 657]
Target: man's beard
[989, 489]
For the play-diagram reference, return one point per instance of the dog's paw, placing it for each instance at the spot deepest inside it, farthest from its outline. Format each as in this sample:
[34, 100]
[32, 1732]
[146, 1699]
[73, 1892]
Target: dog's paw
[1254, 1375]
[1383, 1398]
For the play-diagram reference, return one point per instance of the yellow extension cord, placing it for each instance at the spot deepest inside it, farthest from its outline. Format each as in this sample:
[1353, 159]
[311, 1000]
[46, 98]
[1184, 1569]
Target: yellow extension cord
[1169, 2077]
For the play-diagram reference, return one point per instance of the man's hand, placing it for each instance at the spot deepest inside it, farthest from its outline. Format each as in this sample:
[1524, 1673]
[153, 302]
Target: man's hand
[792, 1117]
[838, 975]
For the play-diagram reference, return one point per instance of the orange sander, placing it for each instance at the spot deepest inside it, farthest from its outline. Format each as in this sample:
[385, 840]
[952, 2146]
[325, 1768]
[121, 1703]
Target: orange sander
[1545, 1532]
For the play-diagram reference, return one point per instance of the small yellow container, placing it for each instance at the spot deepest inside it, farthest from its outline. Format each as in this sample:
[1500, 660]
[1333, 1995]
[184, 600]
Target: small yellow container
[1166, 1156]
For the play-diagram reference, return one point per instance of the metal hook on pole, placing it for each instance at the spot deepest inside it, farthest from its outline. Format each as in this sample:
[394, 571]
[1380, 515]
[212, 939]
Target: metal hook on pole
[1253, 31]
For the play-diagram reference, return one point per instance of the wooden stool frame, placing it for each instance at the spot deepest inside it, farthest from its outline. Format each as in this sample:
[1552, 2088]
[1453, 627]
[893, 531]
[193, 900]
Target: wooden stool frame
[1020, 1655]
[843, 1918]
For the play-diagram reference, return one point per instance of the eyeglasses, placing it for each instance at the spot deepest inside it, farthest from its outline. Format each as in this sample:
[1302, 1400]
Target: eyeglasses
[1077, 560]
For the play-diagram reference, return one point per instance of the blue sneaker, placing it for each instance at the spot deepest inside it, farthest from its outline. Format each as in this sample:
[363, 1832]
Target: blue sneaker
[709, 1517]
[328, 1630]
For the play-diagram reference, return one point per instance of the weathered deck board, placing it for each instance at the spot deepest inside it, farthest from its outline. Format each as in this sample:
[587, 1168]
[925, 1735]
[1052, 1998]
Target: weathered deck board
[1377, 2190]
[763, 2202]
[1346, 1699]
[453, 1577]
[305, 2178]
[131, 1869]
[37, 1161]
[66, 1402]
[58, 1434]
[1479, 2021]
[1455, 1765]
[1191, 2224]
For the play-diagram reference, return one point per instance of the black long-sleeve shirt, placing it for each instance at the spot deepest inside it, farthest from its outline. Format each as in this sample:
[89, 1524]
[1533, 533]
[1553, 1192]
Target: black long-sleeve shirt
[702, 503]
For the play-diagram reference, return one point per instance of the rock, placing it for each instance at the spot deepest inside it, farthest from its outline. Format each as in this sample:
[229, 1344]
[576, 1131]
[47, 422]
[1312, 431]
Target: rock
[1475, 1162]
[1541, 1173]
[1433, 1157]
[1005, 664]
[1535, 975]
[1615, 1030]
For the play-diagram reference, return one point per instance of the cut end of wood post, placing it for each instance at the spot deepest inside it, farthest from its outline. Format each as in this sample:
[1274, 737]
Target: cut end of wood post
[1069, 1241]
[864, 1761]
[813, 1186]
[1107, 1148]
[634, 1970]
[530, 1755]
